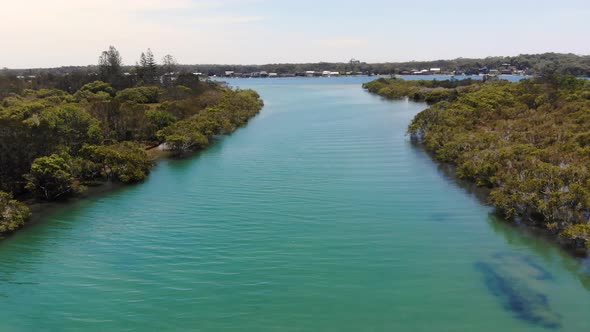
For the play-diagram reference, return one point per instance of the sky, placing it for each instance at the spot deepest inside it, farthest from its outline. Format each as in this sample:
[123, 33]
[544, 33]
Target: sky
[52, 33]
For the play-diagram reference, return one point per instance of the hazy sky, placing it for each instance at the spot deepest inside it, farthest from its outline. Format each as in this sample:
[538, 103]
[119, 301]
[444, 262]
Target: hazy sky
[47, 33]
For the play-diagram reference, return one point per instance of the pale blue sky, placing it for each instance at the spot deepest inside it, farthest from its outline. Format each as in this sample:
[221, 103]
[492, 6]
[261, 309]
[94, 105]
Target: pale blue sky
[42, 33]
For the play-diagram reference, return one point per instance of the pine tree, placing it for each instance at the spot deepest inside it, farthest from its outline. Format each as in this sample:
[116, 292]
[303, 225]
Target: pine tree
[151, 68]
[140, 67]
[109, 65]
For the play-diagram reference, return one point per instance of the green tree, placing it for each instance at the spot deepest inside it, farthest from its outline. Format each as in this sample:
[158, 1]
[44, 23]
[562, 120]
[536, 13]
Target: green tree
[13, 214]
[169, 64]
[160, 119]
[110, 65]
[147, 69]
[126, 162]
[51, 177]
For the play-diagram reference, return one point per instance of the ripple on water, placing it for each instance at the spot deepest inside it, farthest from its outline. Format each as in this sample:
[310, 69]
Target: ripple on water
[319, 215]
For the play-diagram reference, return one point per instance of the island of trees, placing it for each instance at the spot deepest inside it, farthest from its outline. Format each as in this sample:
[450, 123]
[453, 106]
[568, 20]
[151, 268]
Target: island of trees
[528, 142]
[66, 133]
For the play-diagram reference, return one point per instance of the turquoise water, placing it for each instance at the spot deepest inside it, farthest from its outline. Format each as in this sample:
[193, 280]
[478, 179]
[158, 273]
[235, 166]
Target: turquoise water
[319, 215]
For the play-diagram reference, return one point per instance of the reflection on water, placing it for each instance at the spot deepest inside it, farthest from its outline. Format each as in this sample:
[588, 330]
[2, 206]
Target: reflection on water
[514, 234]
[549, 252]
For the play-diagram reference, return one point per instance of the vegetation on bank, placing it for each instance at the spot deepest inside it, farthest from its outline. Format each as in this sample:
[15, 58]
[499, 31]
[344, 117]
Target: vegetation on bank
[13, 213]
[529, 142]
[430, 91]
[54, 143]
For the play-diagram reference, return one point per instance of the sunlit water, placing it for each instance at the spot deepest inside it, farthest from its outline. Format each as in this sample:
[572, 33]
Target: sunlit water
[319, 215]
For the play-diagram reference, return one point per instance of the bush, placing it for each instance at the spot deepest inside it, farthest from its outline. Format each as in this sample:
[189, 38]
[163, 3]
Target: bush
[13, 214]
[126, 162]
[51, 177]
[140, 95]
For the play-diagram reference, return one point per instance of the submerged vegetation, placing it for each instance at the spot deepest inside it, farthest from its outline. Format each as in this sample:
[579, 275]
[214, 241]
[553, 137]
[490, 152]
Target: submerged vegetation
[506, 276]
[54, 142]
[528, 142]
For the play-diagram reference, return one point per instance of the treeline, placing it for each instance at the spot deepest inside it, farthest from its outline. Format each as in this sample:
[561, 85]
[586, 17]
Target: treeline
[430, 91]
[529, 142]
[110, 68]
[533, 64]
[54, 143]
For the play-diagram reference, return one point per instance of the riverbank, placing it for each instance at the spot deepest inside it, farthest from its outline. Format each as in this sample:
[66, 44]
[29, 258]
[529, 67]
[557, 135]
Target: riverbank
[69, 144]
[39, 208]
[482, 194]
[484, 129]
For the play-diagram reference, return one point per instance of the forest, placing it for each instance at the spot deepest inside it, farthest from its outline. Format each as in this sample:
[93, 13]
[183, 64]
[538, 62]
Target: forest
[528, 142]
[55, 142]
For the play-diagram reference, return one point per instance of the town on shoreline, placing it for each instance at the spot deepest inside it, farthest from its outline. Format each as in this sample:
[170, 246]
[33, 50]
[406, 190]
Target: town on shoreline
[522, 65]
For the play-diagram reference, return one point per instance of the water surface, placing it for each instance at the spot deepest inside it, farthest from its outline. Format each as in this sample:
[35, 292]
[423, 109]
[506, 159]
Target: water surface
[319, 215]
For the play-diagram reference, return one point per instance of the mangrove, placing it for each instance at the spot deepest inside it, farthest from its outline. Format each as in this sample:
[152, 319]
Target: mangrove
[54, 142]
[527, 141]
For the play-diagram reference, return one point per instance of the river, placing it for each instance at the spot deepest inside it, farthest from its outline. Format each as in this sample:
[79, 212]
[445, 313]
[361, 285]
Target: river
[319, 215]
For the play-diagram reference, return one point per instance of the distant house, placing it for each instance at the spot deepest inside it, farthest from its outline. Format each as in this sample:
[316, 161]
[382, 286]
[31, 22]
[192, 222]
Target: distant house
[255, 74]
[507, 69]
[168, 78]
[310, 73]
[29, 77]
[334, 73]
[435, 71]
[273, 75]
[263, 74]
[326, 73]
[229, 73]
